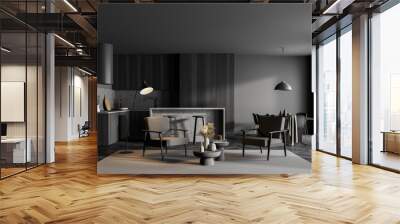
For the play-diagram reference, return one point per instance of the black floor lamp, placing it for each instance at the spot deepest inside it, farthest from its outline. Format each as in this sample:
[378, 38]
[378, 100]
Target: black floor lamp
[124, 127]
[144, 90]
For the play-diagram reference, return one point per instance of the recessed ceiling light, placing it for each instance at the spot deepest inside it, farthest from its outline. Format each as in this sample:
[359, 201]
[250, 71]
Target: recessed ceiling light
[64, 40]
[70, 5]
[5, 49]
[84, 71]
[337, 6]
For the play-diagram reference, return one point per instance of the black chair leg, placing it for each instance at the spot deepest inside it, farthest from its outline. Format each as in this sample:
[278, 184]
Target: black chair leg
[243, 150]
[166, 150]
[261, 149]
[194, 132]
[144, 148]
[269, 148]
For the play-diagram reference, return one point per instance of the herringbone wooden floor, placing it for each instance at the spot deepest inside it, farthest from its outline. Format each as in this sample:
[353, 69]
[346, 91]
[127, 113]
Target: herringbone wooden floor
[69, 191]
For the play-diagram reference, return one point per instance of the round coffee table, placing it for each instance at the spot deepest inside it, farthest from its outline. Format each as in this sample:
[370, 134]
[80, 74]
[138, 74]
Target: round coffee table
[221, 144]
[207, 157]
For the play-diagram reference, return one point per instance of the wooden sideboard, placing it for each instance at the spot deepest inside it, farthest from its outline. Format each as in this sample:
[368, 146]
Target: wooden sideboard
[391, 142]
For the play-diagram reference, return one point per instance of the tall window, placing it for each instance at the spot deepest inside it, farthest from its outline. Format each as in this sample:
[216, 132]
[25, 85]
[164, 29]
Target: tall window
[327, 96]
[385, 88]
[346, 92]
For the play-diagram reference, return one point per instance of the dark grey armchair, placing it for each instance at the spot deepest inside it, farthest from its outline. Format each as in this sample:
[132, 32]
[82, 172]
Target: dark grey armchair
[270, 131]
[158, 133]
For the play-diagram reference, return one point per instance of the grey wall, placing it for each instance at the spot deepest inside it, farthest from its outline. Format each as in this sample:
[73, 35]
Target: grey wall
[240, 28]
[255, 79]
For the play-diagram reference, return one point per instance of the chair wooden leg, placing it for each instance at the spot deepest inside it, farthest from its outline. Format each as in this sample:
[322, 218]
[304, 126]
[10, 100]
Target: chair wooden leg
[185, 150]
[269, 148]
[144, 148]
[161, 148]
[261, 149]
[284, 144]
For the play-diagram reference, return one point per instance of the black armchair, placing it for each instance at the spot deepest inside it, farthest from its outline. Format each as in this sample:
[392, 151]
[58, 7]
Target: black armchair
[271, 131]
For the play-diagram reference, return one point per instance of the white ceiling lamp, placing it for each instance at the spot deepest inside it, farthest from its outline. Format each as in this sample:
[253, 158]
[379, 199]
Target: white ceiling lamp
[70, 6]
[5, 50]
[64, 40]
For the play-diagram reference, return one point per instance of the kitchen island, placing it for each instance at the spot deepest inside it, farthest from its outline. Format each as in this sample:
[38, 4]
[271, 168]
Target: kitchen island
[182, 118]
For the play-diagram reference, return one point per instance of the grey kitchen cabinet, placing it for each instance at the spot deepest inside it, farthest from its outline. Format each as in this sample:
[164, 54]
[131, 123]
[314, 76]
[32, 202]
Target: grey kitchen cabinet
[108, 127]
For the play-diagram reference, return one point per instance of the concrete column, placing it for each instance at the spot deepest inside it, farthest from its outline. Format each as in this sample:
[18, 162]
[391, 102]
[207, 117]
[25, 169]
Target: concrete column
[314, 91]
[360, 90]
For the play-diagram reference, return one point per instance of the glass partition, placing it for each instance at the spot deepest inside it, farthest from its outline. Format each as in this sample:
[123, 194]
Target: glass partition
[327, 95]
[14, 153]
[385, 89]
[32, 96]
[346, 93]
[22, 93]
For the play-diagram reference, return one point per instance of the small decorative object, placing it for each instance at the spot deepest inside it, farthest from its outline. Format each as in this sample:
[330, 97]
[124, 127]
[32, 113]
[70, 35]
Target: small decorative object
[106, 104]
[206, 142]
[211, 130]
[208, 132]
[219, 137]
[202, 148]
[213, 147]
[98, 108]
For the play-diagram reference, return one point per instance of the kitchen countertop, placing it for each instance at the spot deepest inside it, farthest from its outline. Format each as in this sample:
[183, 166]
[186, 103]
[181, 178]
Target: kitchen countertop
[113, 111]
[187, 108]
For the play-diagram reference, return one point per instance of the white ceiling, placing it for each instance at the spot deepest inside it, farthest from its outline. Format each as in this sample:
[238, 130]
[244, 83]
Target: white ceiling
[240, 28]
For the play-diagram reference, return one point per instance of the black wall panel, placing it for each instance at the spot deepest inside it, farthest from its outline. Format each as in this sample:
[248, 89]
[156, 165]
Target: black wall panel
[207, 80]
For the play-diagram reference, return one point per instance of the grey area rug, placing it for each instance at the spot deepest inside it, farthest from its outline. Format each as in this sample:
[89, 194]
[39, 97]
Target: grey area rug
[304, 151]
[176, 162]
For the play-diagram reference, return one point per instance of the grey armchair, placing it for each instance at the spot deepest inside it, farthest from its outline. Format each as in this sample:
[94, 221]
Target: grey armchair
[158, 133]
[271, 131]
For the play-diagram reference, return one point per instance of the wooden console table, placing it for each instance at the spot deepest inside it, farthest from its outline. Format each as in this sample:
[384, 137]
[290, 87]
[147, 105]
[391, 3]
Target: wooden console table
[391, 141]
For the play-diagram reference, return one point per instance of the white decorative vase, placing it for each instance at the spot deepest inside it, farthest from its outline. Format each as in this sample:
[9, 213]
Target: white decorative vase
[202, 148]
[213, 147]
[206, 142]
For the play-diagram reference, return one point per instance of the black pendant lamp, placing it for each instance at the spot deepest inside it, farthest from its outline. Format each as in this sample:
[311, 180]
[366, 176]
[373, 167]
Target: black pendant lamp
[283, 86]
